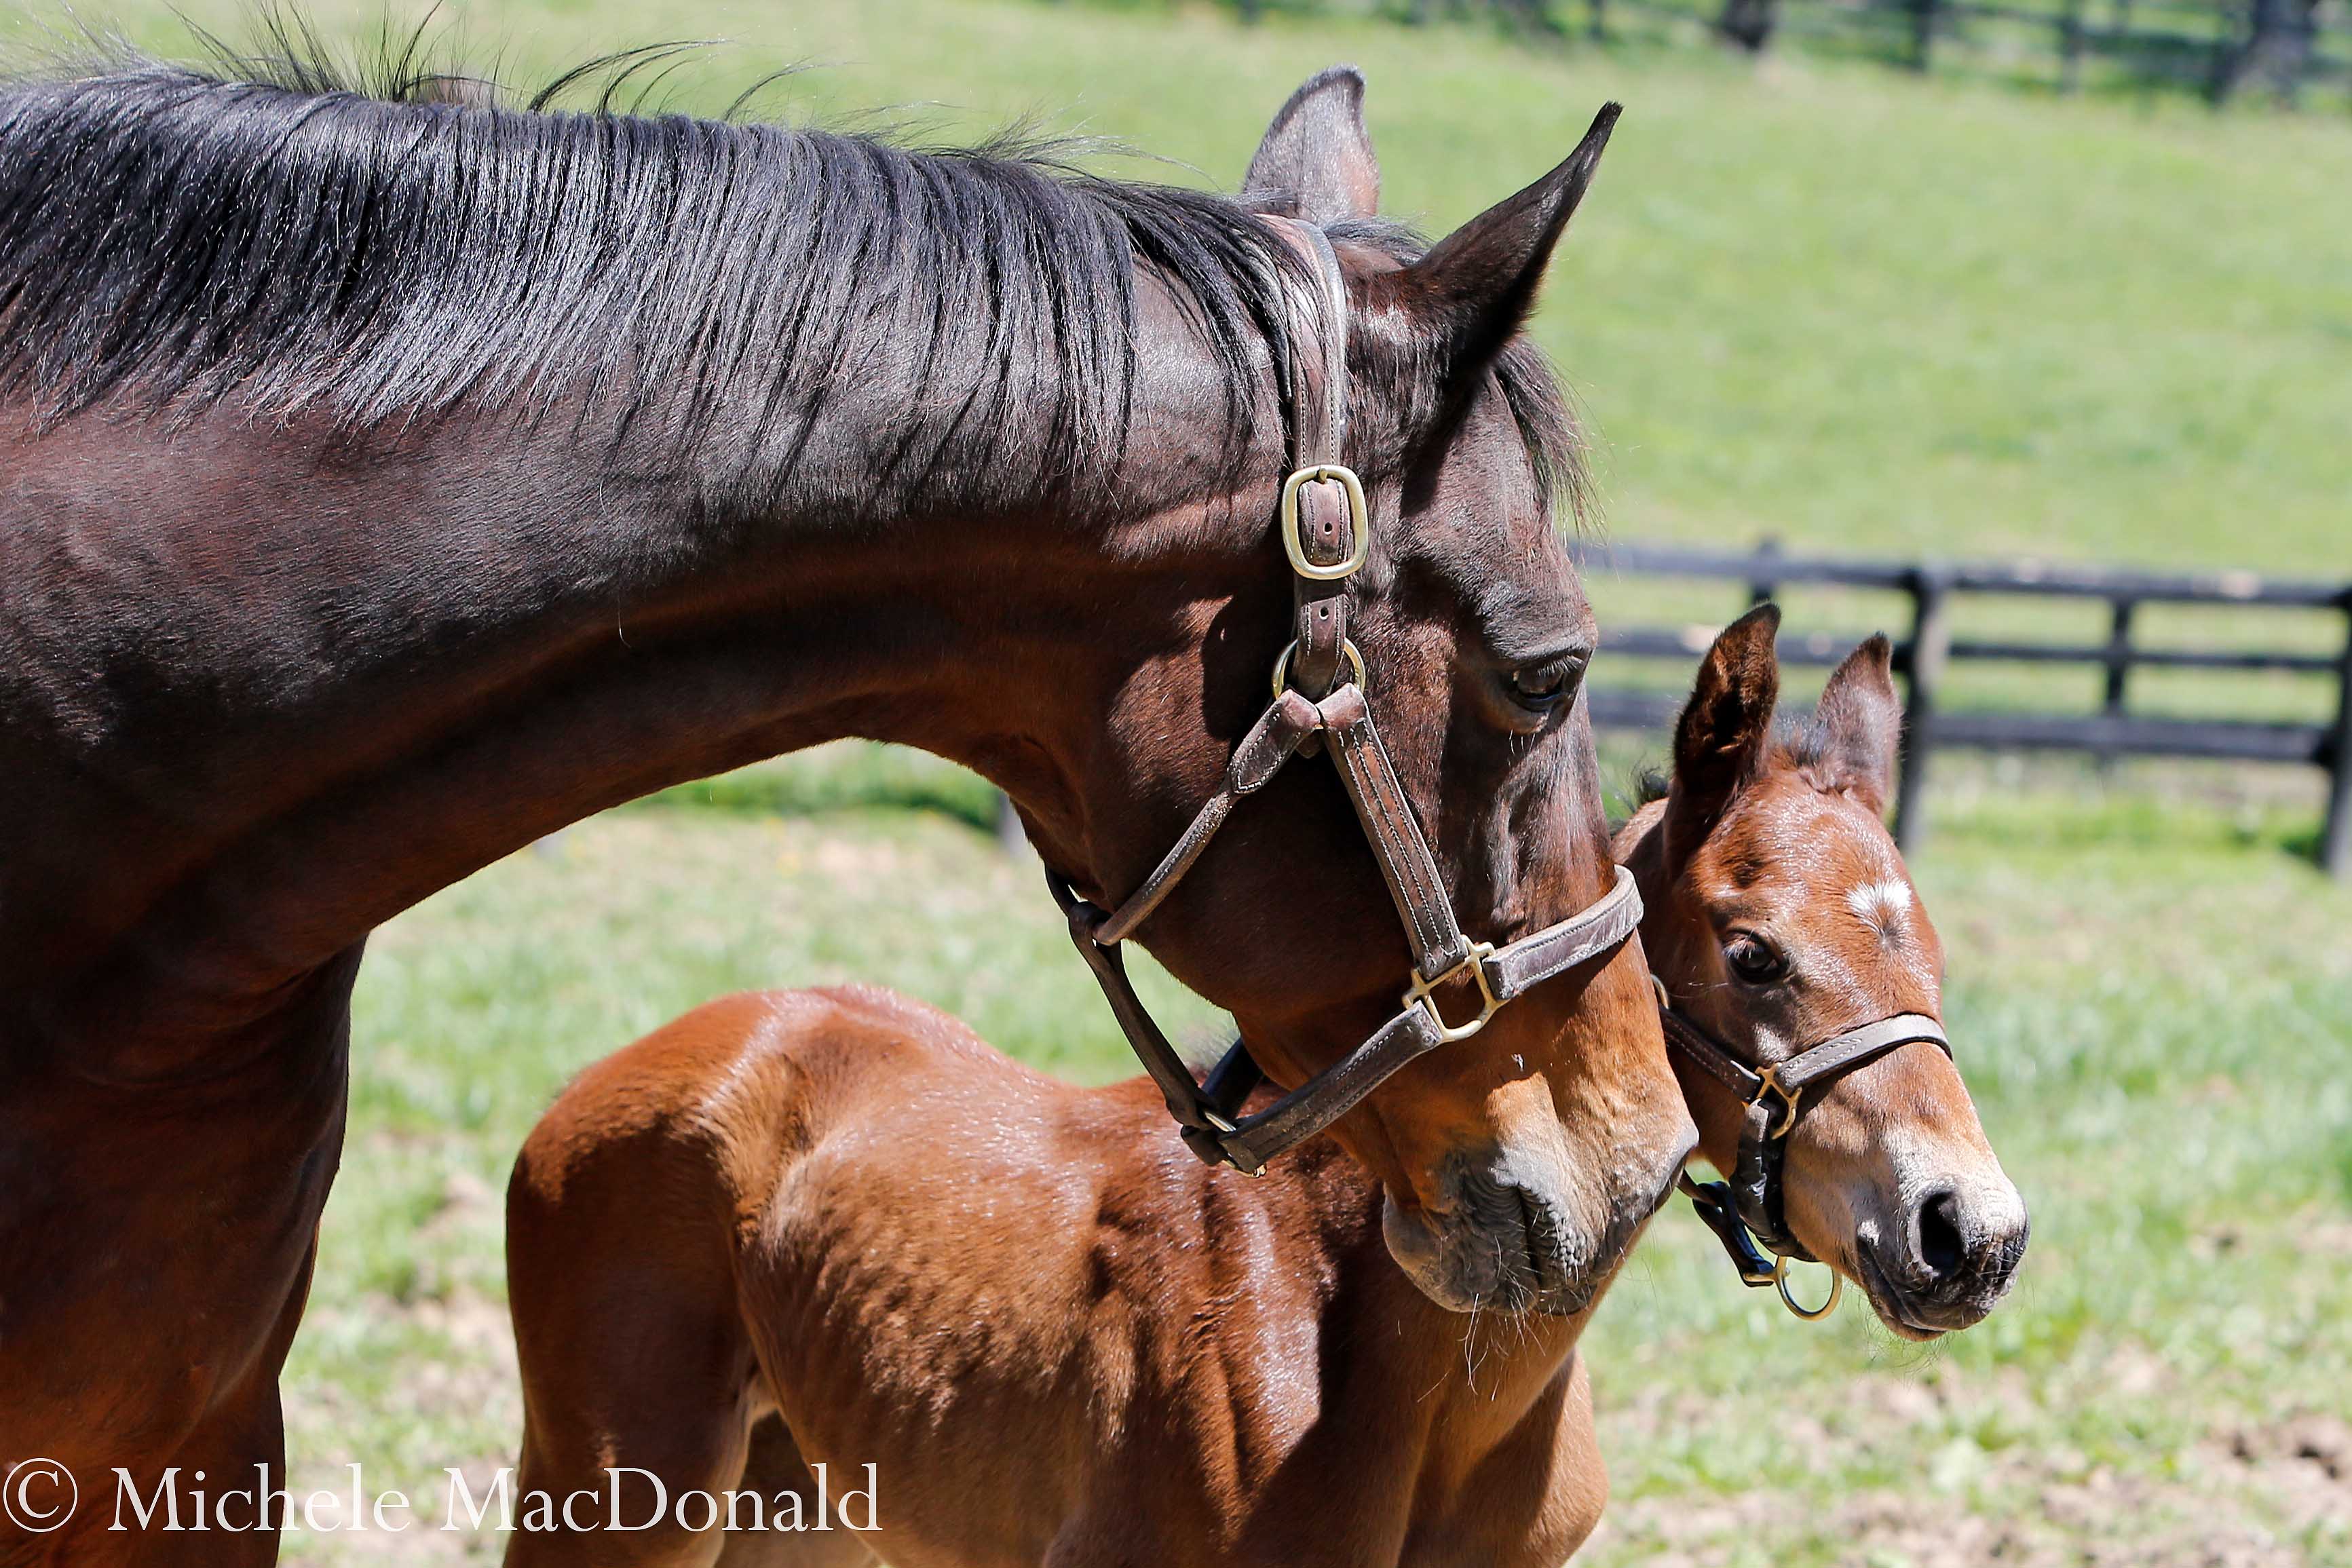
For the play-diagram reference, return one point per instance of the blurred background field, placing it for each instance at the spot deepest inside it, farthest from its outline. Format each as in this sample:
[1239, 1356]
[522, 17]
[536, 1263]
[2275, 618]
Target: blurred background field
[1809, 299]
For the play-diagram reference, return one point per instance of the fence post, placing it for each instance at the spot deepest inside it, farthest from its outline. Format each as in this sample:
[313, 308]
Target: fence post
[2335, 836]
[1763, 589]
[1931, 643]
[1746, 23]
[1923, 32]
[2070, 47]
[2118, 665]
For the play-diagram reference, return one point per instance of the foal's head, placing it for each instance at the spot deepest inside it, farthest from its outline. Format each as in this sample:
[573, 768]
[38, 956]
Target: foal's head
[1518, 1164]
[1779, 913]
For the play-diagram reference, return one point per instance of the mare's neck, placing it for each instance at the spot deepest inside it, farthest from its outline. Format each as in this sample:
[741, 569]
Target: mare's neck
[343, 674]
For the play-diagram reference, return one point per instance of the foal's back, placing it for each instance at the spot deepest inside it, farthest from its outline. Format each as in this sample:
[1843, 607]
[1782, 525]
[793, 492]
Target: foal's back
[1055, 1333]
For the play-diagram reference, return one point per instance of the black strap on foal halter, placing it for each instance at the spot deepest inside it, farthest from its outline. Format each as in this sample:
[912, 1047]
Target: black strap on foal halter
[1748, 1209]
[1327, 534]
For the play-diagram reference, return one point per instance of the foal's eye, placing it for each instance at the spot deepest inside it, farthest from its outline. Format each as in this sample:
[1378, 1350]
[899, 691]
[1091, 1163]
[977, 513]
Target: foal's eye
[1753, 959]
[1539, 688]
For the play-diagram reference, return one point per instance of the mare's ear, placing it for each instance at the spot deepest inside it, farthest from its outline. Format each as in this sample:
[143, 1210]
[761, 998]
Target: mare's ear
[1719, 742]
[1471, 292]
[1315, 162]
[1861, 720]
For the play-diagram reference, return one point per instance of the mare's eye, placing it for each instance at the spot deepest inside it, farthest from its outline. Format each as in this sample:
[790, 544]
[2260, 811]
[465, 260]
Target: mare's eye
[1539, 688]
[1753, 959]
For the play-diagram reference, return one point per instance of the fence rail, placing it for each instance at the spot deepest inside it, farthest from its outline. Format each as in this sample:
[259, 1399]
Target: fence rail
[1924, 656]
[2215, 47]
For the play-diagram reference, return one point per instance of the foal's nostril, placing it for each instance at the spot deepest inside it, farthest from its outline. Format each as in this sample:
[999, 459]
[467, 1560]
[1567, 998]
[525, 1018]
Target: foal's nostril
[1940, 1248]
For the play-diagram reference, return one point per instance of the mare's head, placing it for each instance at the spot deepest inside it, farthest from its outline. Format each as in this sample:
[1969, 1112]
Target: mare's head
[1779, 913]
[1518, 1165]
[943, 450]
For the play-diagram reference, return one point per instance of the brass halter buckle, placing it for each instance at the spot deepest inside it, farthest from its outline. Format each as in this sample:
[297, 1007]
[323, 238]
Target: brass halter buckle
[1419, 994]
[1770, 1085]
[1359, 520]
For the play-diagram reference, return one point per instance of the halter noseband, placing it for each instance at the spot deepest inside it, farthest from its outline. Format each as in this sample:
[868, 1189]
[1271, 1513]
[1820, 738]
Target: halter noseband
[1326, 535]
[1748, 1209]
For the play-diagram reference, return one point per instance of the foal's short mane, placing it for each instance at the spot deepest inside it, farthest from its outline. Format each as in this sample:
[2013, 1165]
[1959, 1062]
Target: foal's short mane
[800, 317]
[1804, 746]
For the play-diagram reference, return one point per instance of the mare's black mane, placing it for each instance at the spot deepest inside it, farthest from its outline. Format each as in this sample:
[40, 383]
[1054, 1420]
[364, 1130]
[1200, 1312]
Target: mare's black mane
[271, 234]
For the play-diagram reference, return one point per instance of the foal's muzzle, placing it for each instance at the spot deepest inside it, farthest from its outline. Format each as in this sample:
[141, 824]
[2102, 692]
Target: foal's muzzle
[1948, 1259]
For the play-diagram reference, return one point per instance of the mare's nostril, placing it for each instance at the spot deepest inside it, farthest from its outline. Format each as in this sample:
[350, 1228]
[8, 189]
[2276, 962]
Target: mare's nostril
[1940, 1248]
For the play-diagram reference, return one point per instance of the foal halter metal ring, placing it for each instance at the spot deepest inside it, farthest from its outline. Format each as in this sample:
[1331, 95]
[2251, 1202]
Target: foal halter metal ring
[1208, 1114]
[1769, 1082]
[1811, 1314]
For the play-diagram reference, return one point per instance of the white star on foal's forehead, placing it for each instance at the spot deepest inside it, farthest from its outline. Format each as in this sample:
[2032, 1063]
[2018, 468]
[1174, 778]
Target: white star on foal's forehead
[1882, 905]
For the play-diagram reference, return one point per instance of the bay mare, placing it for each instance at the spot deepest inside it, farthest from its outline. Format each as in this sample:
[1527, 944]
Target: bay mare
[834, 1228]
[384, 484]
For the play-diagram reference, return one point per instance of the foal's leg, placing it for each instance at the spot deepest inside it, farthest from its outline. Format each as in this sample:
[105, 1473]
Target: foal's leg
[633, 1355]
[774, 1467]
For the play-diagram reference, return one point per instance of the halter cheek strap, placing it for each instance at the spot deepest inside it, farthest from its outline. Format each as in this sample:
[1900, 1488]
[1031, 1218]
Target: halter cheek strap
[1320, 705]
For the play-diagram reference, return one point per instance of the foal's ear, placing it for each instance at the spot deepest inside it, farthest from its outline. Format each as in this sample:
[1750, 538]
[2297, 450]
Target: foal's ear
[1861, 721]
[1475, 287]
[1720, 743]
[1316, 161]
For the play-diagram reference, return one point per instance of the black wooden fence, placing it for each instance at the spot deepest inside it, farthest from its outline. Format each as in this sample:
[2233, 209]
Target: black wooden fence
[2215, 47]
[1927, 653]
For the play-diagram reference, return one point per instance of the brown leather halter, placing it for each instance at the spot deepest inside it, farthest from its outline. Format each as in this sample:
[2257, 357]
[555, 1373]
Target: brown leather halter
[1327, 534]
[1748, 1209]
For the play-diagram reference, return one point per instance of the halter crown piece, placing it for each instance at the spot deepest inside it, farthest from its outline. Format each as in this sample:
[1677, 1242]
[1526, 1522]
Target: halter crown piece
[1326, 535]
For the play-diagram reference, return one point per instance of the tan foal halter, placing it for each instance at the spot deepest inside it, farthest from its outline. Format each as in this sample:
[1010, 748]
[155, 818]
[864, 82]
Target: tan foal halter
[1327, 534]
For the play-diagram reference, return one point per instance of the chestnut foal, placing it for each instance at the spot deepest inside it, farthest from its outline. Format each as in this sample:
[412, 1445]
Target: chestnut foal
[1059, 1338]
[1778, 916]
